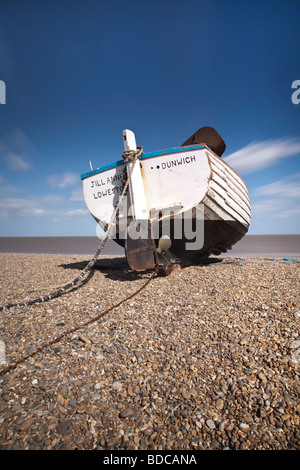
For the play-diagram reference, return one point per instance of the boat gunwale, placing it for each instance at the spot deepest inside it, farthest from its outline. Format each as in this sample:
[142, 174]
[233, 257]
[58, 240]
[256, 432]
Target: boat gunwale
[157, 153]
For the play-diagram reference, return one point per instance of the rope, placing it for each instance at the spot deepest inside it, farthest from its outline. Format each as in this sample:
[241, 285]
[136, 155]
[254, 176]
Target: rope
[129, 155]
[211, 261]
[263, 260]
[76, 328]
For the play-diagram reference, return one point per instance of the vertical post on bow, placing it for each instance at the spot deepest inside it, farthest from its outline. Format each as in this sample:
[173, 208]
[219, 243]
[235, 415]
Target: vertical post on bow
[139, 246]
[137, 194]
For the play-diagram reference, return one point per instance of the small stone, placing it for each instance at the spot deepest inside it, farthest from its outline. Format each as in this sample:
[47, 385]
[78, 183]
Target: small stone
[116, 386]
[60, 399]
[52, 425]
[215, 444]
[126, 413]
[81, 408]
[5, 396]
[219, 404]
[210, 423]
[222, 426]
[95, 396]
[84, 340]
[244, 341]
[244, 427]
[26, 424]
[64, 428]
[230, 427]
[262, 377]
[2, 353]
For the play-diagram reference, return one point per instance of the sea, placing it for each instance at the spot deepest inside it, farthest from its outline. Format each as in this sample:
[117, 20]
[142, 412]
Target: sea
[249, 246]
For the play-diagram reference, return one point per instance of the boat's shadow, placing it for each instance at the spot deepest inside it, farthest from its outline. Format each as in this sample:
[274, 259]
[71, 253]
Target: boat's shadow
[118, 268]
[114, 268]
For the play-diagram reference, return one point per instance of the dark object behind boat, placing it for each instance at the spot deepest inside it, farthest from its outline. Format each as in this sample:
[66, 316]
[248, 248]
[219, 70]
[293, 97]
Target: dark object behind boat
[209, 136]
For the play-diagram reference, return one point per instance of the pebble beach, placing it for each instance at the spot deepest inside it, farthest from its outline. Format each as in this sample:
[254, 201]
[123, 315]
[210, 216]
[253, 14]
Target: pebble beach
[207, 358]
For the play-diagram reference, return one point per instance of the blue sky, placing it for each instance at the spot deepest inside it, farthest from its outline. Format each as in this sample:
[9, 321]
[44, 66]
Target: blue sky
[79, 72]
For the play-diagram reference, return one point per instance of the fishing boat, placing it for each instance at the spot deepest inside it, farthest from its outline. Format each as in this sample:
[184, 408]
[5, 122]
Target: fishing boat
[182, 203]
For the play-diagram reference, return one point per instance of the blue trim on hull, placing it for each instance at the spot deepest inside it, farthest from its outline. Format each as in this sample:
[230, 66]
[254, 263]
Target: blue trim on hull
[143, 157]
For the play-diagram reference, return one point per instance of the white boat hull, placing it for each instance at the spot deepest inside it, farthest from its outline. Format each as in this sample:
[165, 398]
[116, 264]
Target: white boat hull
[177, 182]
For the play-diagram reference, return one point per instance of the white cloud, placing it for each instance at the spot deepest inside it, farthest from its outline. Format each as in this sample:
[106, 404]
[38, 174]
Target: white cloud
[62, 181]
[267, 206]
[77, 195]
[17, 151]
[75, 212]
[15, 208]
[280, 199]
[287, 188]
[7, 190]
[19, 208]
[52, 200]
[259, 155]
[288, 213]
[16, 162]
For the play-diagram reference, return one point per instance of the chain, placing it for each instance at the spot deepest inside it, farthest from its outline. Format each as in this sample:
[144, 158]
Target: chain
[130, 155]
[134, 156]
